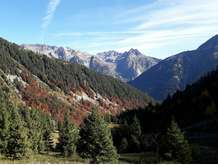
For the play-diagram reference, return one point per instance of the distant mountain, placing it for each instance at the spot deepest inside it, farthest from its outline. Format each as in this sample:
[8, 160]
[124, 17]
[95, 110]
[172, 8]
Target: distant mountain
[176, 72]
[128, 65]
[55, 86]
[124, 66]
[62, 53]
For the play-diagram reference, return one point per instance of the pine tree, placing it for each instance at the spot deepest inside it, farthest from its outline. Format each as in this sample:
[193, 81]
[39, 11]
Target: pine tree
[18, 145]
[34, 125]
[4, 120]
[48, 127]
[69, 135]
[96, 141]
[4, 127]
[175, 145]
[135, 134]
[135, 127]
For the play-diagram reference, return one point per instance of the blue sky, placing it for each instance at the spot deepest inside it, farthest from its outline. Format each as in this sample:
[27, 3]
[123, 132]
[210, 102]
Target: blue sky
[157, 28]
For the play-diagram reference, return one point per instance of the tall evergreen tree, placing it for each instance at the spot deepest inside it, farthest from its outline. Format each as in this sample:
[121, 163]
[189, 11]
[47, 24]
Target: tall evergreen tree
[69, 135]
[4, 120]
[175, 144]
[35, 131]
[135, 133]
[18, 145]
[96, 141]
[135, 127]
[4, 127]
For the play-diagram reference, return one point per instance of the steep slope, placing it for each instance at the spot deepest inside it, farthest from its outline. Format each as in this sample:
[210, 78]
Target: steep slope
[175, 72]
[55, 86]
[124, 66]
[196, 104]
[128, 65]
[195, 109]
[103, 67]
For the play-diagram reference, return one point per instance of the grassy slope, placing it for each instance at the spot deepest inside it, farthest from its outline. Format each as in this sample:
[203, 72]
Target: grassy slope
[44, 158]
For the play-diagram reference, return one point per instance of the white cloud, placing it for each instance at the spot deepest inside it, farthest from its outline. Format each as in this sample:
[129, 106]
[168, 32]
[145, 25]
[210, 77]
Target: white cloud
[177, 22]
[158, 25]
[52, 6]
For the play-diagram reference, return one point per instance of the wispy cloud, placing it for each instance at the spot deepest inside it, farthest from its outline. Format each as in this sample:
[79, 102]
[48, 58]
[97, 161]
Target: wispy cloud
[46, 20]
[157, 26]
[167, 23]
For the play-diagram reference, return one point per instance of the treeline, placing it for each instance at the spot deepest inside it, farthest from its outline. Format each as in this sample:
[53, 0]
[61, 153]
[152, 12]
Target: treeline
[198, 103]
[22, 130]
[167, 143]
[64, 75]
[194, 110]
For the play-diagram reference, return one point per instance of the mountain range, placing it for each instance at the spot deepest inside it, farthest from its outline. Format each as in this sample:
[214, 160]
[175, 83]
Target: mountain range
[55, 86]
[178, 71]
[124, 66]
[158, 78]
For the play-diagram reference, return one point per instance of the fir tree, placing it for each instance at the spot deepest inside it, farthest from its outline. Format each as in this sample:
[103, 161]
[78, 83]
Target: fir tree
[4, 127]
[69, 135]
[175, 145]
[32, 122]
[18, 145]
[96, 141]
[135, 134]
[135, 127]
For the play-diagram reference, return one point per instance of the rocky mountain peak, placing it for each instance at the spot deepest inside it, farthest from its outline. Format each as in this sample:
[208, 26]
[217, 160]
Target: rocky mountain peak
[134, 52]
[124, 66]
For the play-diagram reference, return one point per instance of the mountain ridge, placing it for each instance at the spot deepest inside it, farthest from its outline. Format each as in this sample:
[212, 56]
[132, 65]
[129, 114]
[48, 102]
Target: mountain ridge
[175, 72]
[135, 61]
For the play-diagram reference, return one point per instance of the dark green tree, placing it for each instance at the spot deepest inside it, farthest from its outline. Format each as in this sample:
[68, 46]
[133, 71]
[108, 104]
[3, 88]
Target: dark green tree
[175, 146]
[18, 145]
[123, 145]
[33, 124]
[135, 134]
[96, 141]
[4, 127]
[69, 136]
[135, 127]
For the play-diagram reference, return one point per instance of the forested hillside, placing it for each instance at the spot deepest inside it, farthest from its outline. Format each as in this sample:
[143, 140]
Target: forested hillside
[55, 86]
[29, 135]
[23, 130]
[194, 112]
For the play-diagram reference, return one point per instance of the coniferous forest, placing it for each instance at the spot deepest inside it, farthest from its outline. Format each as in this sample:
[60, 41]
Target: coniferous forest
[181, 129]
[109, 82]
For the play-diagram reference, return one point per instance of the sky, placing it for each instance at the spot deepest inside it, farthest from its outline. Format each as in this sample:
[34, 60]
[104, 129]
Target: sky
[158, 28]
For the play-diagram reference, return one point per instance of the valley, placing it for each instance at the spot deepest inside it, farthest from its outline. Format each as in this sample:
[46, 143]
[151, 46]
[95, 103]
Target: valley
[66, 96]
[109, 82]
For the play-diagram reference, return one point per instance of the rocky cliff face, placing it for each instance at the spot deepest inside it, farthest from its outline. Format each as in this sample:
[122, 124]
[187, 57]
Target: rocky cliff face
[124, 66]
